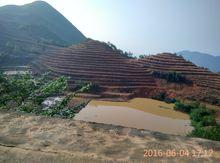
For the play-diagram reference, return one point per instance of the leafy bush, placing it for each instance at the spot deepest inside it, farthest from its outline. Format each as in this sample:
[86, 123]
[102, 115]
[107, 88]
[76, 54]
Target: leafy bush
[202, 119]
[211, 132]
[54, 87]
[17, 88]
[186, 108]
[29, 107]
[173, 77]
[79, 84]
[29, 92]
[199, 113]
[170, 100]
[163, 97]
[207, 121]
[121, 52]
[61, 109]
[87, 87]
[94, 88]
[160, 96]
[142, 56]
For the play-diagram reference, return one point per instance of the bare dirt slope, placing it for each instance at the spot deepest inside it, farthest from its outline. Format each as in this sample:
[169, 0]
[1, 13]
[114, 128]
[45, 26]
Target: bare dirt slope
[28, 138]
[96, 62]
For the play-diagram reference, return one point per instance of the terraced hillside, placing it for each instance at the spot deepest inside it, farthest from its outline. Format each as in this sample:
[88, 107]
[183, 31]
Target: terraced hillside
[95, 62]
[167, 62]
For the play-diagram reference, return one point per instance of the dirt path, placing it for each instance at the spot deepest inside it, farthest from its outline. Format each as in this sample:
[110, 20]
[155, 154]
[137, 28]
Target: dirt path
[29, 138]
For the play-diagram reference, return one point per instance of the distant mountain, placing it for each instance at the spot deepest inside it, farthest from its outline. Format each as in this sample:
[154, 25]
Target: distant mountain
[23, 29]
[202, 59]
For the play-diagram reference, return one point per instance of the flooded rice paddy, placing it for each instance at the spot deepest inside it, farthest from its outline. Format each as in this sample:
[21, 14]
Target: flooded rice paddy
[141, 113]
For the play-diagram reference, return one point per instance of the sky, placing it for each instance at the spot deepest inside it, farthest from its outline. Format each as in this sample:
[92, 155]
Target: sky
[145, 26]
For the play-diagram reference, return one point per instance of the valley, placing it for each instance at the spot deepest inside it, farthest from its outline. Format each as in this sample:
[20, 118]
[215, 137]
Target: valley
[68, 98]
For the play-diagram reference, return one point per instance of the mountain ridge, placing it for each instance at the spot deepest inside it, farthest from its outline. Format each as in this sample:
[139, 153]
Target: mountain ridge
[40, 13]
[202, 59]
[39, 25]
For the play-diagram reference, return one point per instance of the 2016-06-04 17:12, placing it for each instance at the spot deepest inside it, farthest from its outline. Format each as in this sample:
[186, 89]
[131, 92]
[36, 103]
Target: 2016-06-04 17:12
[178, 153]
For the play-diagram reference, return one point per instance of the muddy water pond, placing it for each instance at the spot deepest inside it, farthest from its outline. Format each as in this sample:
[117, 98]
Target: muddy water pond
[141, 113]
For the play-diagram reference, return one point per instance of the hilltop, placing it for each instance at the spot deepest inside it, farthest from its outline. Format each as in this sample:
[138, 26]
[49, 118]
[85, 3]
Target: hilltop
[96, 62]
[26, 31]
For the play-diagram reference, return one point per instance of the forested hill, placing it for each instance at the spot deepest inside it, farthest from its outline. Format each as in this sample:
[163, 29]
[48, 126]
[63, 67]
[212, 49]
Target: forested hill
[24, 28]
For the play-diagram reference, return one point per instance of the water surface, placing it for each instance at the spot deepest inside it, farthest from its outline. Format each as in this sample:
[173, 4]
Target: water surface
[141, 113]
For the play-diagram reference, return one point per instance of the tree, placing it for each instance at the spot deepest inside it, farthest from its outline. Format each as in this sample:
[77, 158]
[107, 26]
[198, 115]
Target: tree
[119, 51]
[142, 56]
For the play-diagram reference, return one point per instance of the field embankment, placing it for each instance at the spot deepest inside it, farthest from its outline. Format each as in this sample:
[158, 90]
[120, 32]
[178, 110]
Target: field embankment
[25, 138]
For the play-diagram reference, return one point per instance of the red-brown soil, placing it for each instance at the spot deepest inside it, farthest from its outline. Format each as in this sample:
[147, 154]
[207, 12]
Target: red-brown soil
[167, 62]
[96, 62]
[121, 77]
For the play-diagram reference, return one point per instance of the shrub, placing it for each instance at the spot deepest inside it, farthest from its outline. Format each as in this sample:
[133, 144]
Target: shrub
[94, 88]
[198, 114]
[28, 107]
[212, 132]
[182, 107]
[173, 77]
[87, 87]
[202, 119]
[119, 51]
[53, 87]
[170, 100]
[62, 110]
[142, 56]
[26, 93]
[207, 121]
[79, 84]
[160, 96]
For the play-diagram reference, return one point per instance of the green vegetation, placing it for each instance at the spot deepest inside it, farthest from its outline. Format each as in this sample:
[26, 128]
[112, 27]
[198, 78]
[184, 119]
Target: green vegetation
[186, 108]
[173, 77]
[121, 52]
[86, 87]
[61, 109]
[202, 119]
[49, 89]
[26, 93]
[162, 96]
[142, 56]
[25, 39]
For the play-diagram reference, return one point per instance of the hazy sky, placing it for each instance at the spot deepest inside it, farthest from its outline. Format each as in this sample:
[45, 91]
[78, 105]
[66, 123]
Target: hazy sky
[145, 26]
